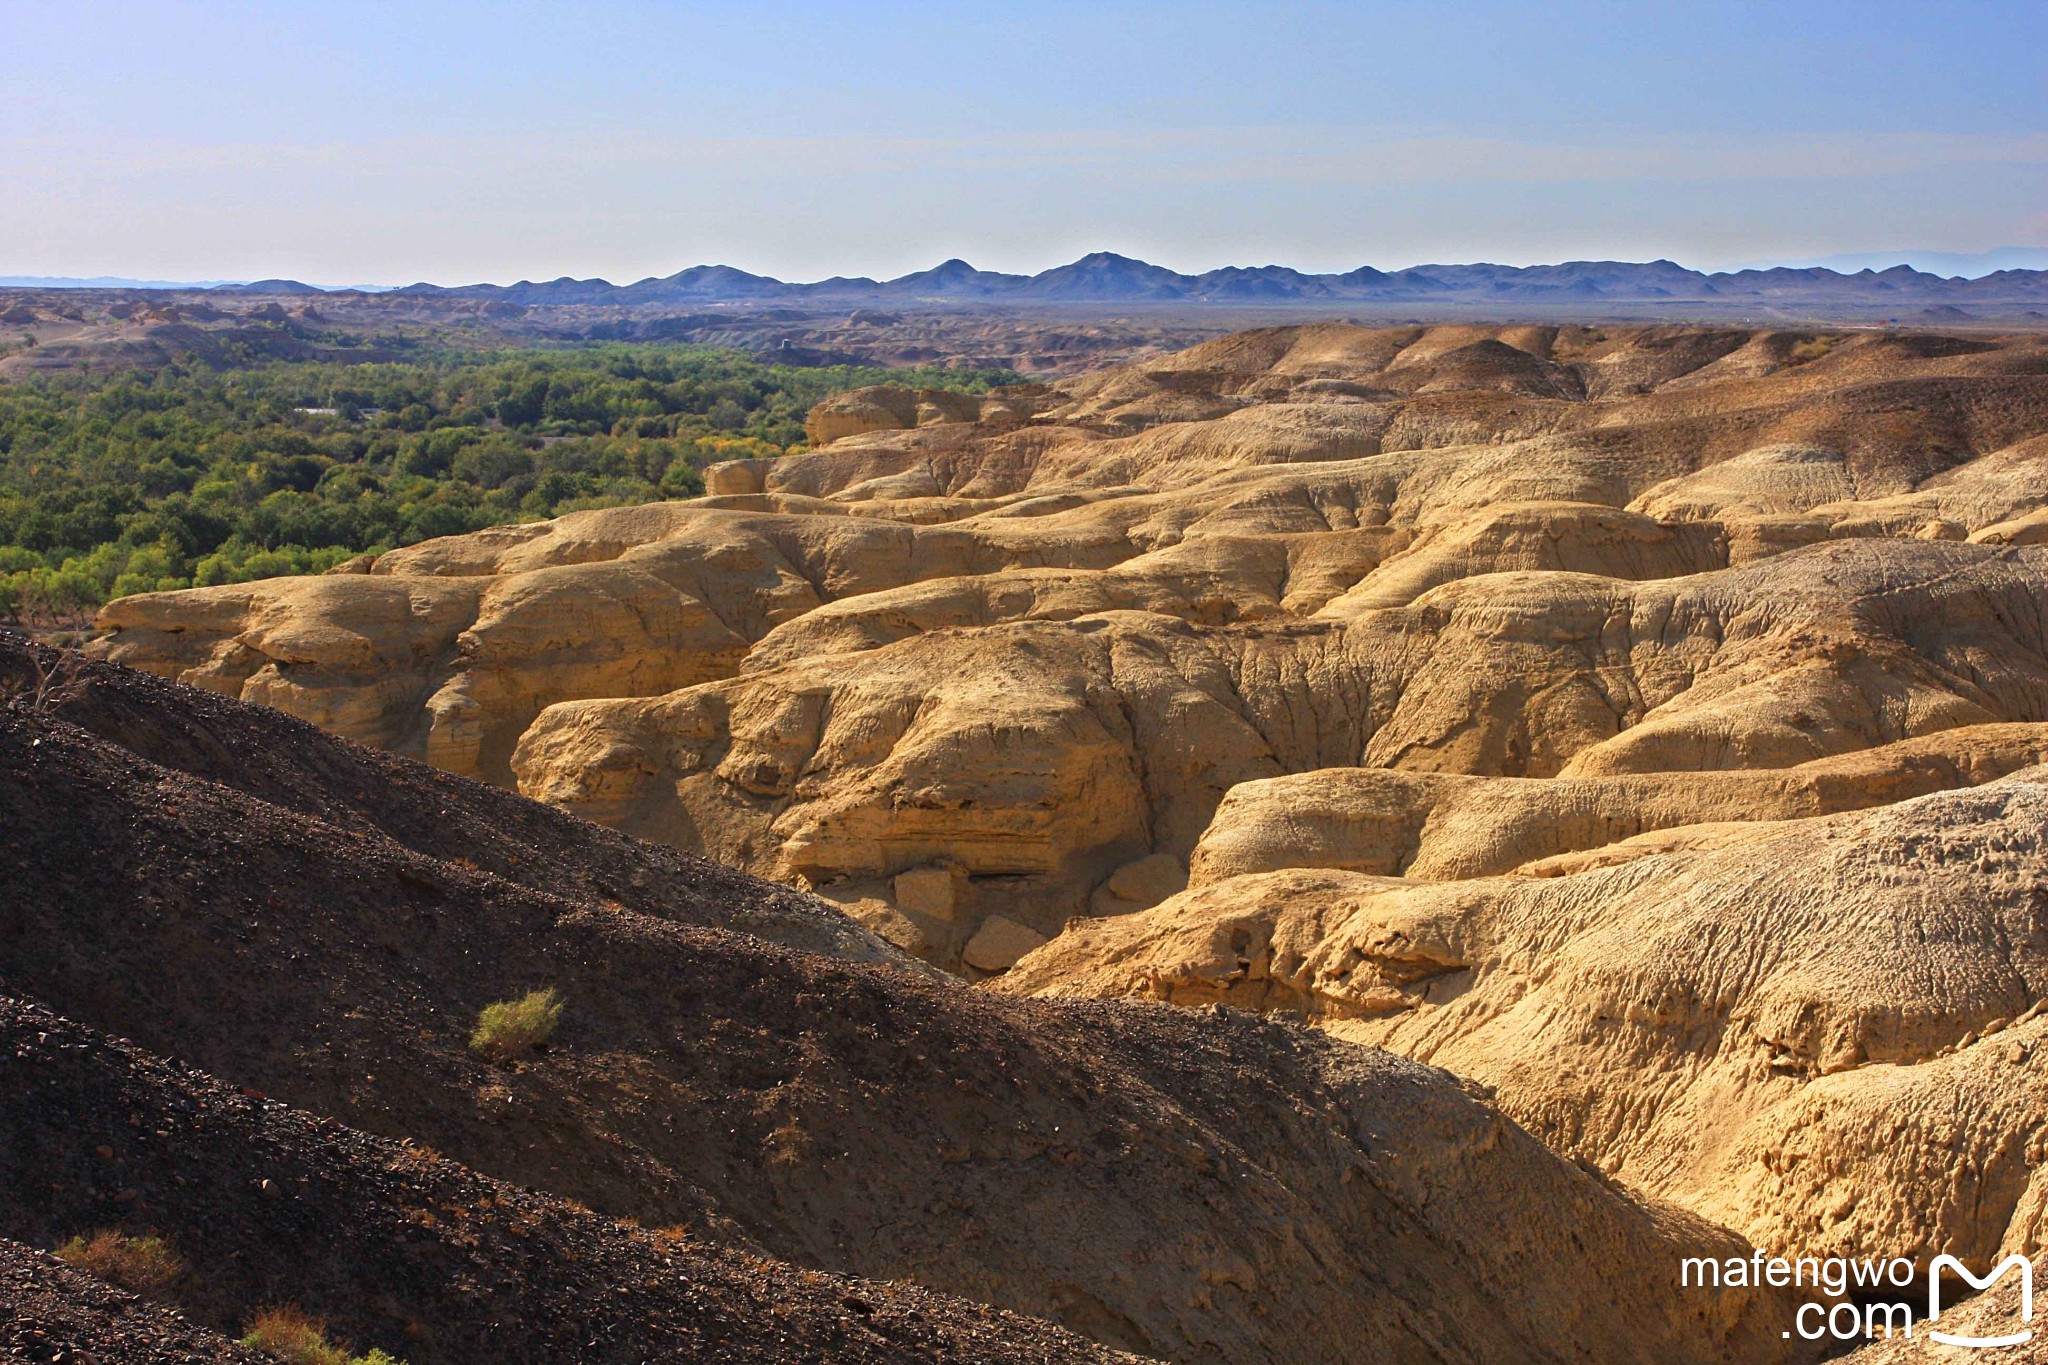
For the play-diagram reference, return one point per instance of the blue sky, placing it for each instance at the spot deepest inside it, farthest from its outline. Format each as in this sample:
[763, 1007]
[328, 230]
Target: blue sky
[364, 142]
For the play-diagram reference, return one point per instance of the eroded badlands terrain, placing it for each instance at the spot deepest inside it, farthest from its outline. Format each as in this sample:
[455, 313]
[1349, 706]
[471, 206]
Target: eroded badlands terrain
[1643, 725]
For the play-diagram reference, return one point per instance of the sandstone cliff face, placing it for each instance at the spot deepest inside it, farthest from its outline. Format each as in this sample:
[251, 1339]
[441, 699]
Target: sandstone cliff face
[1034, 639]
[884, 407]
[1824, 1033]
[1446, 826]
[1040, 756]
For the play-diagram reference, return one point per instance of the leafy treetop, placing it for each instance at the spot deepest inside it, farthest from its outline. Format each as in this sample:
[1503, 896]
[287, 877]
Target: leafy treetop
[175, 477]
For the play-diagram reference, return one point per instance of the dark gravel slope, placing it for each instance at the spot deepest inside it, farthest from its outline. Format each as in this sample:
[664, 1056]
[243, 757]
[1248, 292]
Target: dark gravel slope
[52, 1313]
[397, 1246]
[284, 762]
[1206, 1186]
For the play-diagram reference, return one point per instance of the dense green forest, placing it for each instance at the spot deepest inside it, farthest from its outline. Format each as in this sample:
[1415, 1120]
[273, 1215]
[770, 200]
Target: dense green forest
[176, 477]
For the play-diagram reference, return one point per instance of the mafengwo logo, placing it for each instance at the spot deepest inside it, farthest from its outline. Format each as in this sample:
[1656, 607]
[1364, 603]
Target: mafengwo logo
[1865, 1317]
[2017, 1338]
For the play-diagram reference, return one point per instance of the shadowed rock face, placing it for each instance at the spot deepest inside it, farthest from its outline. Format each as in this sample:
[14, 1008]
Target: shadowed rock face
[1824, 1032]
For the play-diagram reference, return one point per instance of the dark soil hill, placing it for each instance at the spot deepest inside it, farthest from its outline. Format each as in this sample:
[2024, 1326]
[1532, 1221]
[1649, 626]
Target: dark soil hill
[285, 763]
[399, 1247]
[51, 1312]
[1205, 1186]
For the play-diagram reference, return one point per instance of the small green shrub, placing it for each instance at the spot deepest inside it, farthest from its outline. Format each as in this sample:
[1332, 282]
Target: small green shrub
[512, 1028]
[297, 1339]
[146, 1265]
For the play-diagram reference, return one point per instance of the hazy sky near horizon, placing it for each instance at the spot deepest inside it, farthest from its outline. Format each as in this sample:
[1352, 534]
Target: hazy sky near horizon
[366, 142]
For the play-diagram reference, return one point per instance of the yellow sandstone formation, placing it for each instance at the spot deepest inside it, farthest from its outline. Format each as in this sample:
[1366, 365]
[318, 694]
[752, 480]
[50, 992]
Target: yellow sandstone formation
[1583, 583]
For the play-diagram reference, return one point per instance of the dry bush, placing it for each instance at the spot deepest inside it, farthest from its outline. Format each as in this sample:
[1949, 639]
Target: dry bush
[511, 1028]
[292, 1336]
[55, 678]
[298, 1339]
[146, 1265]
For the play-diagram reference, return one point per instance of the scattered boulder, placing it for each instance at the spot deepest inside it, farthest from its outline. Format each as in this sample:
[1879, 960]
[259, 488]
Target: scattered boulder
[998, 943]
[1139, 885]
[926, 891]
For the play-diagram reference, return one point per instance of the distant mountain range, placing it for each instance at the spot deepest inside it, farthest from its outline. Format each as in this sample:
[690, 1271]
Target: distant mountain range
[1969, 264]
[238, 286]
[100, 282]
[1105, 277]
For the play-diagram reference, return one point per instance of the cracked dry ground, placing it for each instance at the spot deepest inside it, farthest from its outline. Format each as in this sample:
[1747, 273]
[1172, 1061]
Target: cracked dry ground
[1640, 729]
